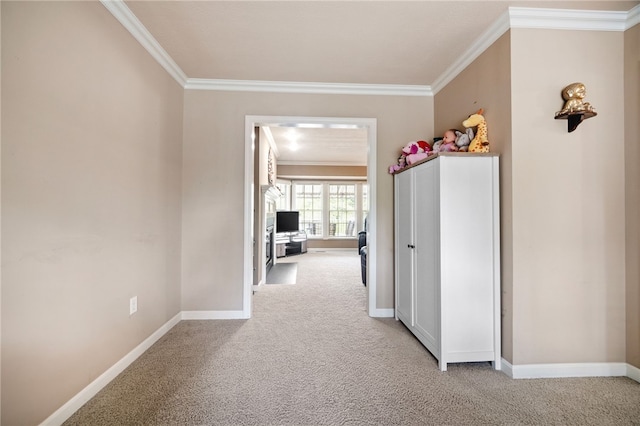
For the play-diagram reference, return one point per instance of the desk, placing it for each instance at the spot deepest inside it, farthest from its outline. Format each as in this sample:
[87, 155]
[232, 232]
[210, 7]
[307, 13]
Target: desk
[291, 243]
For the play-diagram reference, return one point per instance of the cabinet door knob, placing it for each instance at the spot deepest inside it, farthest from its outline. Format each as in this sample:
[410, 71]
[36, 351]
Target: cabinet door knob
[411, 246]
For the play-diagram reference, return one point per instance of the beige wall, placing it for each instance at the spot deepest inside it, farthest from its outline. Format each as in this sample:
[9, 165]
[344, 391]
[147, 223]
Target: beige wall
[351, 244]
[632, 191]
[562, 195]
[568, 200]
[93, 169]
[291, 171]
[486, 83]
[213, 180]
[91, 143]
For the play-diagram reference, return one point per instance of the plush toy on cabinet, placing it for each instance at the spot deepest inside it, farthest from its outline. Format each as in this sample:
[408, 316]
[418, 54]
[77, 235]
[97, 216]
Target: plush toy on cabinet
[401, 164]
[416, 151]
[411, 153]
[480, 143]
[464, 139]
[453, 141]
[447, 143]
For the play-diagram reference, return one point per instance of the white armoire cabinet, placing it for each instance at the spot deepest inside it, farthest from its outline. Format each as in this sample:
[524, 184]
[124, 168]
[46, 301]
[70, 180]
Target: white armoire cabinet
[447, 256]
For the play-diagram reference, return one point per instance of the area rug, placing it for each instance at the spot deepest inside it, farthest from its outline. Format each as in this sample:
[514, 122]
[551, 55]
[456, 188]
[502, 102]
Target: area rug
[283, 273]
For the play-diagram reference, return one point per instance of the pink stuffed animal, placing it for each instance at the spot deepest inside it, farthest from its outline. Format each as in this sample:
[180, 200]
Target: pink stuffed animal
[401, 164]
[416, 151]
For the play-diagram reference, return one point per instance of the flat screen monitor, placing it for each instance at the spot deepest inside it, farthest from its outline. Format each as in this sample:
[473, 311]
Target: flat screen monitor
[287, 221]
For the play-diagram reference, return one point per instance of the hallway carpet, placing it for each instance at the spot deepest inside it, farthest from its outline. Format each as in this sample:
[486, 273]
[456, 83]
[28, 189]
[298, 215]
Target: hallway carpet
[311, 356]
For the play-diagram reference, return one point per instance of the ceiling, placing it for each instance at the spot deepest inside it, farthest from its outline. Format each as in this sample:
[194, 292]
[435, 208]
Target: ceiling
[320, 145]
[354, 42]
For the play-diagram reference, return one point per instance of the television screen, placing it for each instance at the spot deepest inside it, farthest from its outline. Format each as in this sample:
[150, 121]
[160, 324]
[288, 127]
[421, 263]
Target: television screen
[287, 221]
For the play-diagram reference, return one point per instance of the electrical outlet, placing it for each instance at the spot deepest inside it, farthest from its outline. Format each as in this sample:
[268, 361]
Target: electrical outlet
[133, 305]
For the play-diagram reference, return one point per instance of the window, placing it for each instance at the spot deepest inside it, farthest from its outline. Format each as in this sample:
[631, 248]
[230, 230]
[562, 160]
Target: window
[331, 209]
[308, 201]
[342, 210]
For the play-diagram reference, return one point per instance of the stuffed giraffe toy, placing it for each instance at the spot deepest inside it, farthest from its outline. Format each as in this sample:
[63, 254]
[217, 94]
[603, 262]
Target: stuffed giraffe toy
[480, 143]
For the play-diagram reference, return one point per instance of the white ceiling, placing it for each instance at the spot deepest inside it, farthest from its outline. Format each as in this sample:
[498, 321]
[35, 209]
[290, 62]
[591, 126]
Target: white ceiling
[354, 42]
[320, 146]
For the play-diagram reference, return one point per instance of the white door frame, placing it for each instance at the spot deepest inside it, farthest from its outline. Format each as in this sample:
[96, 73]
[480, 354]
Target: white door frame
[251, 121]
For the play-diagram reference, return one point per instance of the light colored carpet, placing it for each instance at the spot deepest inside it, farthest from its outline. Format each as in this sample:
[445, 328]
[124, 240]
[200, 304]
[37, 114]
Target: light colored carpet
[311, 356]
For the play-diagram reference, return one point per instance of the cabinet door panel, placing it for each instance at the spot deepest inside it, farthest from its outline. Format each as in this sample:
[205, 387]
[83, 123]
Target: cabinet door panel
[427, 255]
[404, 203]
[467, 254]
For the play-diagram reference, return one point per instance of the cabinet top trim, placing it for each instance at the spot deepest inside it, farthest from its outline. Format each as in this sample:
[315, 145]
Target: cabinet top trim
[448, 154]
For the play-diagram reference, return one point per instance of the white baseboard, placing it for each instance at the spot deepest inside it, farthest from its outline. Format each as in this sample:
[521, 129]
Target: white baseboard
[633, 373]
[321, 249]
[591, 369]
[382, 313]
[213, 315]
[506, 368]
[74, 404]
[529, 371]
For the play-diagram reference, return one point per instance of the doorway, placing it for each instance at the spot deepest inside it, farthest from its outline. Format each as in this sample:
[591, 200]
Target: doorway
[251, 122]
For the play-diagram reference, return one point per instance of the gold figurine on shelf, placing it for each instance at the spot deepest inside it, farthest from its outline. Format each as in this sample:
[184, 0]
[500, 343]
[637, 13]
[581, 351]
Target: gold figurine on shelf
[575, 108]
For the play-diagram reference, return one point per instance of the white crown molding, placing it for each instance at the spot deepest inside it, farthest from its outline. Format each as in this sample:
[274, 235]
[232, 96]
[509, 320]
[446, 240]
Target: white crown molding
[515, 17]
[303, 87]
[633, 17]
[538, 18]
[125, 16]
[566, 19]
[482, 43]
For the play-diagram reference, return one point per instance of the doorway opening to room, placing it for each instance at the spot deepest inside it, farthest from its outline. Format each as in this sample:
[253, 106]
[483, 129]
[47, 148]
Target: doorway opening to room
[256, 194]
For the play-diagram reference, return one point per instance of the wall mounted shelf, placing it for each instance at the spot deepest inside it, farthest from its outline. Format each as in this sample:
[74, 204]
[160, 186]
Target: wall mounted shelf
[575, 118]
